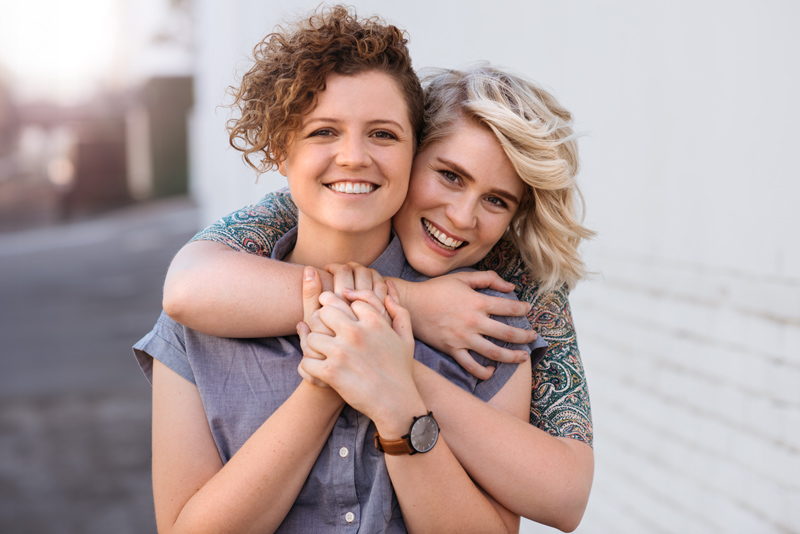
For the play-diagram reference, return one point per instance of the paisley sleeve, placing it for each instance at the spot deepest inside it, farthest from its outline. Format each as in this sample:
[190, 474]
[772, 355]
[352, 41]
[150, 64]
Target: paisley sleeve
[254, 229]
[559, 394]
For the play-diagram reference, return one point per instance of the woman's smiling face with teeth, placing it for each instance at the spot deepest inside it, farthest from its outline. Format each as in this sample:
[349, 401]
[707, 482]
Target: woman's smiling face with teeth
[349, 162]
[462, 196]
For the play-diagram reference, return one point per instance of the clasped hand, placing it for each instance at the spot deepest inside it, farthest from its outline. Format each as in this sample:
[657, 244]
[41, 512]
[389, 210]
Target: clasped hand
[356, 339]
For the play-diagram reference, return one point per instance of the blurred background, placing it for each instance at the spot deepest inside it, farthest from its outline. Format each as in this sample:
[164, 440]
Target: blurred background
[113, 152]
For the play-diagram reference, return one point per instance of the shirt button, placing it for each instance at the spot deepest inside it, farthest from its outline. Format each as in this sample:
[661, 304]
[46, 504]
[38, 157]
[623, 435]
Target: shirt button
[349, 517]
[343, 452]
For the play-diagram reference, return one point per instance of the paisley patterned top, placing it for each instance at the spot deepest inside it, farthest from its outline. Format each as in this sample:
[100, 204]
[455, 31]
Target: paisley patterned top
[559, 396]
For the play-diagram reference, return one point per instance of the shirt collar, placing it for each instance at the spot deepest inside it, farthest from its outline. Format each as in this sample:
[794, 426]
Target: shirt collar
[389, 263]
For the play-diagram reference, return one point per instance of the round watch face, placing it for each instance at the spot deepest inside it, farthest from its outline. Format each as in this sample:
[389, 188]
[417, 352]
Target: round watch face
[424, 433]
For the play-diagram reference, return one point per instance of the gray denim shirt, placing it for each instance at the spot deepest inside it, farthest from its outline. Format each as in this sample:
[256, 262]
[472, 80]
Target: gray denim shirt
[243, 381]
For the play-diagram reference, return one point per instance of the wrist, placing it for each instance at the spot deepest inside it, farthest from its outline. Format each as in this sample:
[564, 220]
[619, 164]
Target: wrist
[403, 289]
[324, 395]
[395, 422]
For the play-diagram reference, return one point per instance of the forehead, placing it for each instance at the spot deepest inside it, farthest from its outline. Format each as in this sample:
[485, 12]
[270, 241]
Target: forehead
[370, 94]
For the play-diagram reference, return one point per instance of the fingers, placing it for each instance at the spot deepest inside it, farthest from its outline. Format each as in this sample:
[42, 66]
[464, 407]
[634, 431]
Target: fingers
[368, 297]
[401, 320]
[503, 332]
[503, 306]
[312, 288]
[343, 277]
[353, 275]
[487, 349]
[379, 286]
[363, 276]
[485, 280]
[330, 300]
[303, 331]
[306, 367]
[465, 360]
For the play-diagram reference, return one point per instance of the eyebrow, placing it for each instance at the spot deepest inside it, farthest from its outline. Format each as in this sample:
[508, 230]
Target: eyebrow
[463, 172]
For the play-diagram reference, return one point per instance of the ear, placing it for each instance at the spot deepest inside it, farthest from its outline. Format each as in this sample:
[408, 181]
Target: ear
[282, 166]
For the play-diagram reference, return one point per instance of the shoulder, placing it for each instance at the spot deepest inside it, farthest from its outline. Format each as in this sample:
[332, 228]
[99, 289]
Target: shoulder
[256, 228]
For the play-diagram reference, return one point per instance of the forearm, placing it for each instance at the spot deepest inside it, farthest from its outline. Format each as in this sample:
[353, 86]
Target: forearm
[201, 293]
[538, 476]
[255, 490]
[435, 493]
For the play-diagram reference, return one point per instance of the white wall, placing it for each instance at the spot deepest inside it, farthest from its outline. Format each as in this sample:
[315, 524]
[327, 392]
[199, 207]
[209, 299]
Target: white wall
[690, 333]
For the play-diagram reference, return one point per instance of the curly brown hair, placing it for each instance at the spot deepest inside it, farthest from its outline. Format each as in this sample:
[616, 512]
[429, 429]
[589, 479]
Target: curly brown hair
[291, 65]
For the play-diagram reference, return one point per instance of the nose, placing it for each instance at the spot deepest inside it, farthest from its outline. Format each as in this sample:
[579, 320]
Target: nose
[353, 152]
[462, 212]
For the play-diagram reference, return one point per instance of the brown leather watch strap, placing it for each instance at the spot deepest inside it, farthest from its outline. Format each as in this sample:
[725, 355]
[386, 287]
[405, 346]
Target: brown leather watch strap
[395, 447]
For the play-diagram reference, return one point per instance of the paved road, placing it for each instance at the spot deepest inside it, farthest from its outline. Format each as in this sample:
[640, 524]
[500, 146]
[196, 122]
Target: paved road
[74, 407]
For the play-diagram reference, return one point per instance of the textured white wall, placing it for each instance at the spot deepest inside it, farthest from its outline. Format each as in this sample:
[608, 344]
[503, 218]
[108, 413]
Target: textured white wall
[690, 332]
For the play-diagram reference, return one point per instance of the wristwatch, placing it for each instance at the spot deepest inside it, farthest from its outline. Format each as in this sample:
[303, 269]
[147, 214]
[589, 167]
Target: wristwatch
[421, 437]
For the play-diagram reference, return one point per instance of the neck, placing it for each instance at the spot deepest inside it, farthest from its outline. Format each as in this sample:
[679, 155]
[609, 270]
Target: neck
[318, 246]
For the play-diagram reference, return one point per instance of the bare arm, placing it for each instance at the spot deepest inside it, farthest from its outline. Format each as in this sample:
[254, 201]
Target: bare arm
[370, 362]
[254, 491]
[217, 290]
[538, 476]
[450, 315]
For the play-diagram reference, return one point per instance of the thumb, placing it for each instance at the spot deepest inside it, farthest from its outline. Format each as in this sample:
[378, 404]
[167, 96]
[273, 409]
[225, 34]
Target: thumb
[312, 289]
[401, 320]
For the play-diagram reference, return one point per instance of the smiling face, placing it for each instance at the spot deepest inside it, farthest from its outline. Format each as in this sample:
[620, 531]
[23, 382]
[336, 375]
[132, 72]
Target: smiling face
[461, 199]
[348, 165]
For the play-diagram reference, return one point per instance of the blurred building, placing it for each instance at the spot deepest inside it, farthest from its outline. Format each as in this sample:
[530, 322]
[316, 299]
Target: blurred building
[127, 141]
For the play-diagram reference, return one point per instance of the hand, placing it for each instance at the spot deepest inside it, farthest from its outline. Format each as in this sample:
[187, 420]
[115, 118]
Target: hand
[312, 289]
[449, 315]
[352, 281]
[313, 300]
[368, 361]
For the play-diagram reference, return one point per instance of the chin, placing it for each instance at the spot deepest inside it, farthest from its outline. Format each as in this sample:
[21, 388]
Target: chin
[431, 267]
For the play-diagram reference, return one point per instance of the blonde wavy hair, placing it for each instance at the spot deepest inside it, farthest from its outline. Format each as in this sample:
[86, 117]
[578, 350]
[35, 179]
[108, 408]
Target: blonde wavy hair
[536, 134]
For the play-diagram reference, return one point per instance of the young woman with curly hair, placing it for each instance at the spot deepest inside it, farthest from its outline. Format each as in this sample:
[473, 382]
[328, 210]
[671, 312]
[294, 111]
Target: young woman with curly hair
[241, 442]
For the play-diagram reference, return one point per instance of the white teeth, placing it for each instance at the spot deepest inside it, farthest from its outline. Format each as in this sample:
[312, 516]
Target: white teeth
[357, 188]
[446, 242]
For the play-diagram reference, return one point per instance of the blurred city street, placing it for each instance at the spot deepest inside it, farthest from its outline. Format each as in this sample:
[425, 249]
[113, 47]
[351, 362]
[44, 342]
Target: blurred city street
[74, 406]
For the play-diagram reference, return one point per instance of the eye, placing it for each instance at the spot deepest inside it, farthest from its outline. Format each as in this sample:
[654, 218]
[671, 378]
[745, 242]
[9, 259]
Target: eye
[497, 201]
[383, 134]
[449, 176]
[322, 132]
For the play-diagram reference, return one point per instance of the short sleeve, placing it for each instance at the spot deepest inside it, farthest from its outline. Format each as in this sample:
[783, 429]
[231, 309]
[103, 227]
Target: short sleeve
[165, 343]
[559, 397]
[254, 229]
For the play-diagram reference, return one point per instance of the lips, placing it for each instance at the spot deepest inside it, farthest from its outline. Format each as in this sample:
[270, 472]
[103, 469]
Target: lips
[440, 237]
[353, 188]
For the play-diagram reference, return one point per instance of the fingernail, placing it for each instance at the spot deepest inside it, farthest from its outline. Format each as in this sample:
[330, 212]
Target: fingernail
[308, 273]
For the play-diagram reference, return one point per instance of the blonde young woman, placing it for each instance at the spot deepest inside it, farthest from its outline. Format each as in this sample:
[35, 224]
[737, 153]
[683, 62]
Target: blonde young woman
[480, 124]
[241, 443]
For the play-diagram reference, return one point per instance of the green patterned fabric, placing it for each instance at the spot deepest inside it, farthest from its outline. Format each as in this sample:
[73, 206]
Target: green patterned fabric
[559, 396]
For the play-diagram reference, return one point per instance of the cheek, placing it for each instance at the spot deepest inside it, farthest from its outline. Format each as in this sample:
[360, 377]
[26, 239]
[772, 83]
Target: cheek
[494, 229]
[425, 192]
